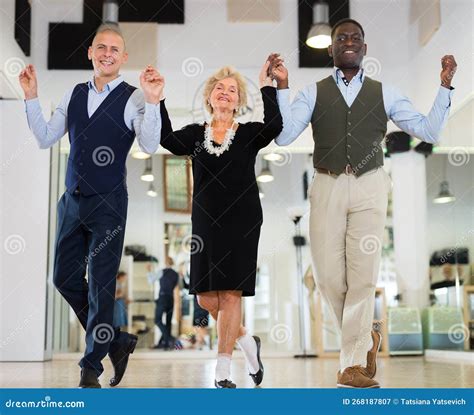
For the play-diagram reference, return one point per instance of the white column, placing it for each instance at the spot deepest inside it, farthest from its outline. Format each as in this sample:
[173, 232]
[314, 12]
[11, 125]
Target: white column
[409, 227]
[24, 211]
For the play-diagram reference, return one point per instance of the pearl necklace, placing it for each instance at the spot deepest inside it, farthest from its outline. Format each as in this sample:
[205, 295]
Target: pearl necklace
[209, 139]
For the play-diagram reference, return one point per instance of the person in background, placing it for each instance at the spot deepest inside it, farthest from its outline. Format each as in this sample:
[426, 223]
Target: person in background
[200, 324]
[200, 315]
[121, 301]
[168, 280]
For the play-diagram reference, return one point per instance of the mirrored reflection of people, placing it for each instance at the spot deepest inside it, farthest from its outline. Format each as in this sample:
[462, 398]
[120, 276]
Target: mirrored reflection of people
[121, 301]
[348, 112]
[226, 213]
[168, 280]
[102, 118]
[200, 317]
[200, 325]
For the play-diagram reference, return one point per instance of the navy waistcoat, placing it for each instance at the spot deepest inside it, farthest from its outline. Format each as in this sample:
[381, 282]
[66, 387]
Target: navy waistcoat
[99, 144]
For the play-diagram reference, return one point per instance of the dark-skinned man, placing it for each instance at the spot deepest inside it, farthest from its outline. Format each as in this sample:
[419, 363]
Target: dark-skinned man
[348, 113]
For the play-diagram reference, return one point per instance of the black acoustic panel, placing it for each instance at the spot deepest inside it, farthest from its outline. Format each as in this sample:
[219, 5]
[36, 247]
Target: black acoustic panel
[398, 142]
[424, 148]
[310, 57]
[68, 42]
[23, 25]
[92, 12]
[166, 11]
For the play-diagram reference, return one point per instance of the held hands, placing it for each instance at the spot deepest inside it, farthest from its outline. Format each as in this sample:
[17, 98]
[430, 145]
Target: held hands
[28, 82]
[264, 78]
[278, 70]
[448, 70]
[152, 84]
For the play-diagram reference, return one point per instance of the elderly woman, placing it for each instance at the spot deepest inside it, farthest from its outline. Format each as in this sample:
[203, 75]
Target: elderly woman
[226, 212]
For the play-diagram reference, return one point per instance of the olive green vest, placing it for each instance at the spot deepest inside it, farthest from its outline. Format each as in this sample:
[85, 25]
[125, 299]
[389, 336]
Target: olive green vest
[348, 135]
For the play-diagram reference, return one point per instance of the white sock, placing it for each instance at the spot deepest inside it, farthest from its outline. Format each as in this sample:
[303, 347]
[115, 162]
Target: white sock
[249, 347]
[223, 366]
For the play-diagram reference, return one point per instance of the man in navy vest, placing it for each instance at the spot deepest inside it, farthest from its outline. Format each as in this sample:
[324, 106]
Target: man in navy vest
[102, 118]
[348, 113]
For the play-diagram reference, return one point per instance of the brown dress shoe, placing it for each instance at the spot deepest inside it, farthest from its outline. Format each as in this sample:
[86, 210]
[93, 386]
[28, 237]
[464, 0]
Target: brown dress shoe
[372, 354]
[355, 377]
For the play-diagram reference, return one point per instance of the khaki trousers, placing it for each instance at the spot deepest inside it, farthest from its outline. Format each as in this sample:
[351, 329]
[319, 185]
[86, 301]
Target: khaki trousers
[347, 222]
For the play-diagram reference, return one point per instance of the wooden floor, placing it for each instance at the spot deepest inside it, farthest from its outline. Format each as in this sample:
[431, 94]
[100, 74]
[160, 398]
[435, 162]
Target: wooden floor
[172, 370]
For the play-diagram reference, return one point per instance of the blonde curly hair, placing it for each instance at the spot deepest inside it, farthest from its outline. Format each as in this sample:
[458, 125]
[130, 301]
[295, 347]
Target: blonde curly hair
[223, 73]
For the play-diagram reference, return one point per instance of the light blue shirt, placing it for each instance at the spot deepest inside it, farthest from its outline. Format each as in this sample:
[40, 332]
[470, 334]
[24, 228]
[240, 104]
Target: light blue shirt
[139, 116]
[154, 279]
[398, 107]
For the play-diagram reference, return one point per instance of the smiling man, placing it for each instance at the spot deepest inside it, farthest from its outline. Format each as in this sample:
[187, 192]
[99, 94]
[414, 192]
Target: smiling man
[102, 118]
[348, 113]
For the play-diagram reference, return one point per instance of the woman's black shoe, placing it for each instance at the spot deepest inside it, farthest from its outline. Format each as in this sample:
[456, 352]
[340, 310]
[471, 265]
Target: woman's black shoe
[258, 377]
[225, 384]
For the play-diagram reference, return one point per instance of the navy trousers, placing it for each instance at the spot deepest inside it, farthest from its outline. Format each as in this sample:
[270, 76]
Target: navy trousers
[164, 305]
[89, 239]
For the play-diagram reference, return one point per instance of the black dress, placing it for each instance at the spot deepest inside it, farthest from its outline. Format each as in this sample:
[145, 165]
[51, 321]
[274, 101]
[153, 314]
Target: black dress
[226, 210]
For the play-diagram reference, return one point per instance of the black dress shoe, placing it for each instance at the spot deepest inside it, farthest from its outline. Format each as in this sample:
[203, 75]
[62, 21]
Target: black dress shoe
[258, 377]
[89, 378]
[119, 358]
[225, 384]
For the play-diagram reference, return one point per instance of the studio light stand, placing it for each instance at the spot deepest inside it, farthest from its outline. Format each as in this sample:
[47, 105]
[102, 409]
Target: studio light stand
[300, 241]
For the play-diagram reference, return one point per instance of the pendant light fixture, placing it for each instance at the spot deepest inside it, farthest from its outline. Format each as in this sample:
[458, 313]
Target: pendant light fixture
[273, 156]
[444, 195]
[151, 191]
[265, 175]
[147, 175]
[140, 155]
[319, 36]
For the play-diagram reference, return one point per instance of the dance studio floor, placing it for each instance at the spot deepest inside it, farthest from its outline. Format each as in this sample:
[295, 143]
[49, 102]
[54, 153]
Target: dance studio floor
[180, 369]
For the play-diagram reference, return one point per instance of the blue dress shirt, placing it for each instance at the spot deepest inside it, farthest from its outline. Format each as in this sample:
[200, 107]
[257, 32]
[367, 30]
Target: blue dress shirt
[139, 116]
[398, 107]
